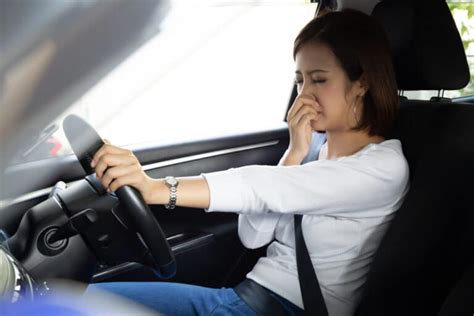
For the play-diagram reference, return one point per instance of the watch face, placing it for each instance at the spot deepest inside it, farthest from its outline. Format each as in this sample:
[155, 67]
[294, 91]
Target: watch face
[171, 181]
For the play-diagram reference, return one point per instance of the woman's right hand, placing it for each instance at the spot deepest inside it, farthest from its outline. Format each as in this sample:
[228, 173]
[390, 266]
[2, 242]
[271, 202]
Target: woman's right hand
[301, 114]
[116, 167]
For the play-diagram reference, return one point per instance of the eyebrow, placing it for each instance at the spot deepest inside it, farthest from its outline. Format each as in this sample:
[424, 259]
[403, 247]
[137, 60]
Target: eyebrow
[310, 72]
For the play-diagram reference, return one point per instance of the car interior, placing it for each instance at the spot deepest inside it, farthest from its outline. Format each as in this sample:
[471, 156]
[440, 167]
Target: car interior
[424, 264]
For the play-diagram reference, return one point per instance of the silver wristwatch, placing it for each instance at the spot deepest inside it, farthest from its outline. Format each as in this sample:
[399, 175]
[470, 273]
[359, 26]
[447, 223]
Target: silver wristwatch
[172, 184]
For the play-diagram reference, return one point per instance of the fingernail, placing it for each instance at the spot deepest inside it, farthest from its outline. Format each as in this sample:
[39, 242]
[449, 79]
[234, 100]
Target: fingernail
[108, 190]
[92, 163]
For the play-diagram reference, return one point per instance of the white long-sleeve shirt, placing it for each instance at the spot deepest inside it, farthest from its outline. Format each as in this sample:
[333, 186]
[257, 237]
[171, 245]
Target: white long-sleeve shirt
[347, 205]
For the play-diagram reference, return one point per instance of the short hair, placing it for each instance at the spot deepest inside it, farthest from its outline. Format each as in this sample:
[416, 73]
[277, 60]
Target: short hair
[359, 43]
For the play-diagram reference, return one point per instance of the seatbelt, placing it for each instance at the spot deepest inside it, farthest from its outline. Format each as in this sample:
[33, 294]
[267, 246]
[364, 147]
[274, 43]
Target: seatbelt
[313, 300]
[309, 285]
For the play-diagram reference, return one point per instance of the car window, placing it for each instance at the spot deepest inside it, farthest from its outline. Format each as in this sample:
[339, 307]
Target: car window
[463, 14]
[216, 68]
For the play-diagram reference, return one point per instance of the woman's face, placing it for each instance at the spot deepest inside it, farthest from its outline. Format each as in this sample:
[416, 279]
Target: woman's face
[320, 76]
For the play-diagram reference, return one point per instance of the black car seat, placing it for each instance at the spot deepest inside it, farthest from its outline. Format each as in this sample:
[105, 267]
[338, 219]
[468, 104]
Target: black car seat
[425, 261]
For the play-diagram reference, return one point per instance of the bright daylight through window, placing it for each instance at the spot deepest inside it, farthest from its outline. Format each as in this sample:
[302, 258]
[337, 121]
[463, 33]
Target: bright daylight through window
[216, 68]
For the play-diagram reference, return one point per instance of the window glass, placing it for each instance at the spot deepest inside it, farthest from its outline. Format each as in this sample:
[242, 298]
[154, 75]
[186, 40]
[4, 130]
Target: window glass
[216, 68]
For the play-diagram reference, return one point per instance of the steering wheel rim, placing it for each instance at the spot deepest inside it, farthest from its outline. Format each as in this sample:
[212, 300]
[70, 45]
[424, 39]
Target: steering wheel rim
[85, 142]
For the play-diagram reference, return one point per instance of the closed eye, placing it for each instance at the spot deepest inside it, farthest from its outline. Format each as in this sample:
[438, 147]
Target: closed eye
[300, 81]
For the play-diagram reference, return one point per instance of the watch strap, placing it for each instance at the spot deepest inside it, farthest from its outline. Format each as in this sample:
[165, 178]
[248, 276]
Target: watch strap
[172, 185]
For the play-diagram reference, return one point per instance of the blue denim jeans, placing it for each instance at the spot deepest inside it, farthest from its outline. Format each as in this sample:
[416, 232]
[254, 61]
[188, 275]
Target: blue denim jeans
[177, 299]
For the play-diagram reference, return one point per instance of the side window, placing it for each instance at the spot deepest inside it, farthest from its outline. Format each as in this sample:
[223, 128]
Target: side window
[463, 14]
[216, 68]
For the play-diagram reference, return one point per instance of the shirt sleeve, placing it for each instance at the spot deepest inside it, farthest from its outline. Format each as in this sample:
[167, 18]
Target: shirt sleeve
[359, 183]
[257, 230]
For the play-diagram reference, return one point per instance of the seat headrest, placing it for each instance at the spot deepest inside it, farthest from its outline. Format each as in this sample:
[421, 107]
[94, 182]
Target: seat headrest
[427, 50]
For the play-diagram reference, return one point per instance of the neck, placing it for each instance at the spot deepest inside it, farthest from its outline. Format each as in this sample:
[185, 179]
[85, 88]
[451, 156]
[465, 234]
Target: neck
[341, 144]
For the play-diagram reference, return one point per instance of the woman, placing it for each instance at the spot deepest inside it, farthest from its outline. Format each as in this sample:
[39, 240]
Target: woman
[346, 88]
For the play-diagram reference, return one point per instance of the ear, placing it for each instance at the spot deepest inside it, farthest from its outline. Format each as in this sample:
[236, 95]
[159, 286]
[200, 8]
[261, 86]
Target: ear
[361, 86]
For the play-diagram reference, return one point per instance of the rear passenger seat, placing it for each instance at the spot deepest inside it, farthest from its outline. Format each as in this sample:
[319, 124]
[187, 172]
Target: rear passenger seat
[424, 265]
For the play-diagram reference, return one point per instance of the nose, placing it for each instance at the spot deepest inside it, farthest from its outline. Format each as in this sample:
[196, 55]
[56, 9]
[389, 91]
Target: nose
[310, 95]
[305, 90]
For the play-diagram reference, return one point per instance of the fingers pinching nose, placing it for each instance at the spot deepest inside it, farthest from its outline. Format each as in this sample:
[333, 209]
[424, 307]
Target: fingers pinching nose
[309, 96]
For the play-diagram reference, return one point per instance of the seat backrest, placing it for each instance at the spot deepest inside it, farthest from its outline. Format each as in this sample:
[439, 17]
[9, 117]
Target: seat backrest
[431, 239]
[430, 243]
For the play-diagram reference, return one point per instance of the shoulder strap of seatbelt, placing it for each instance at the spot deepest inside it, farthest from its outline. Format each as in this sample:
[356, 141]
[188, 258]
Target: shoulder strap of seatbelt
[313, 300]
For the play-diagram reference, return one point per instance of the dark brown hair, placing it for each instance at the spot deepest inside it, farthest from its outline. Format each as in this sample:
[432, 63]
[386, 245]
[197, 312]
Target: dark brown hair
[359, 43]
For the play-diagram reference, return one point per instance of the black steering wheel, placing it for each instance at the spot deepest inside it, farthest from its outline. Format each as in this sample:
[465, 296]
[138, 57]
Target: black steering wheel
[85, 142]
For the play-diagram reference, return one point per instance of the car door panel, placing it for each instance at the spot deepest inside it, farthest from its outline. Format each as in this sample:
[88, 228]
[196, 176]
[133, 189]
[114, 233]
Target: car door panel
[206, 245]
